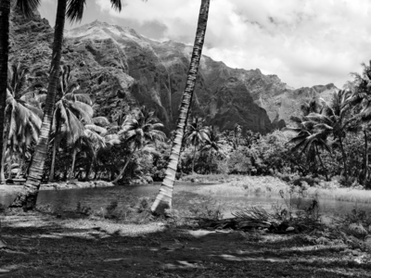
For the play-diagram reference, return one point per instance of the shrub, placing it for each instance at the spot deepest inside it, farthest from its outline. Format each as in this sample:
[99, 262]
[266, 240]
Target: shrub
[238, 162]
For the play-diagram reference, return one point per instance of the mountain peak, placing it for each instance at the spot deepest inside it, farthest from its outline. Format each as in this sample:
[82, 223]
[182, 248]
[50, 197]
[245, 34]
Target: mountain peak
[103, 30]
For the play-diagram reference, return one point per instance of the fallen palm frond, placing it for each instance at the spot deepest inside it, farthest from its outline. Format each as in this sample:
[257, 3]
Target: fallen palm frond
[255, 218]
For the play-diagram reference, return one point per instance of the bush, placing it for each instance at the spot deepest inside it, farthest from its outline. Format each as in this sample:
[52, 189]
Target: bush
[238, 162]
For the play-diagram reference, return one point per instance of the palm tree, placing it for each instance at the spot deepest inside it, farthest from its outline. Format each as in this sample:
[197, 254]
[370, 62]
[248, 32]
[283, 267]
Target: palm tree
[22, 116]
[195, 135]
[137, 129]
[164, 198]
[27, 7]
[93, 140]
[334, 120]
[310, 139]
[71, 113]
[213, 143]
[27, 198]
[361, 100]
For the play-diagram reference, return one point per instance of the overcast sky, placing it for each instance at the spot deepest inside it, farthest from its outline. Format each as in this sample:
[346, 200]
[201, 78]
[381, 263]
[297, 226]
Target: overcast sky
[304, 42]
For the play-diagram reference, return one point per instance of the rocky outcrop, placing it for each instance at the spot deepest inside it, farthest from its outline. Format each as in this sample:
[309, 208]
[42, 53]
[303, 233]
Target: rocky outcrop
[283, 106]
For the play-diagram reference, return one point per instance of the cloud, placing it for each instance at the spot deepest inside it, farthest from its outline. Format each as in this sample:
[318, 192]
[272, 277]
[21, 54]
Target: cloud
[304, 42]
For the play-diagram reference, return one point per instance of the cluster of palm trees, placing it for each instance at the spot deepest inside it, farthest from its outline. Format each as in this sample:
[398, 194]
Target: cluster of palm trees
[324, 126]
[74, 108]
[72, 9]
[201, 138]
[74, 128]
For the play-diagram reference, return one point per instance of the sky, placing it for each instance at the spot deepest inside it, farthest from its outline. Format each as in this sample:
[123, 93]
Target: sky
[304, 42]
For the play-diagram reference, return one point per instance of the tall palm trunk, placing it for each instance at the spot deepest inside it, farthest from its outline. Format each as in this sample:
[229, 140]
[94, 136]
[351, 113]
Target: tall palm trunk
[121, 174]
[365, 166]
[3, 161]
[53, 158]
[5, 6]
[71, 173]
[6, 132]
[194, 156]
[27, 198]
[164, 198]
[344, 159]
[322, 164]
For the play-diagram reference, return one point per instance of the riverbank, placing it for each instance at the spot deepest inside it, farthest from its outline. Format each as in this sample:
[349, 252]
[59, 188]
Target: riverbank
[71, 184]
[267, 186]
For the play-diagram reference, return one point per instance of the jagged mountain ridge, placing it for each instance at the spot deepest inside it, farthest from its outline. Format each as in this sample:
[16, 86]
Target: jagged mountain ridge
[121, 69]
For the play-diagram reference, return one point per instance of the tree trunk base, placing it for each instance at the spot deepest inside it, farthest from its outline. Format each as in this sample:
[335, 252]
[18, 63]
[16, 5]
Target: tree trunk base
[160, 207]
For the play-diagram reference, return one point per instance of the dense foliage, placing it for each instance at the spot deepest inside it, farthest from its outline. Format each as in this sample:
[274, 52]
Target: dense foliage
[330, 141]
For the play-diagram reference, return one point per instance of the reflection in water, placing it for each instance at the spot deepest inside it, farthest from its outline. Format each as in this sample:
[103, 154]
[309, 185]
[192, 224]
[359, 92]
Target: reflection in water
[102, 197]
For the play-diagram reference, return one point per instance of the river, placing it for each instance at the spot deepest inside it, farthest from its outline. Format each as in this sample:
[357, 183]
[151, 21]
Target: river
[100, 198]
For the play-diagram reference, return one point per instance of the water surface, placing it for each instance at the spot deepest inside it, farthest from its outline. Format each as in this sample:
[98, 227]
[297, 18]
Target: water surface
[100, 198]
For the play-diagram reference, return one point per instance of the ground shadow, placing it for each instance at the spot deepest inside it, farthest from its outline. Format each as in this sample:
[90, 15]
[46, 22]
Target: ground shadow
[55, 249]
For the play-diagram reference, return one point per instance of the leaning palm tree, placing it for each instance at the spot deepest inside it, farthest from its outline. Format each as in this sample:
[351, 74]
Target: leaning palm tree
[28, 196]
[164, 198]
[26, 7]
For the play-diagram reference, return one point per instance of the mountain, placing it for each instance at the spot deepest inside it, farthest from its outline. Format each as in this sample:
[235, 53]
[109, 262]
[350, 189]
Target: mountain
[122, 69]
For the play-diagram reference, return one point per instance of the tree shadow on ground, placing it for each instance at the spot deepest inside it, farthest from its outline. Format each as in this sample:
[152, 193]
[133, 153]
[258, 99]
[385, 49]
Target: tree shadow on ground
[86, 248]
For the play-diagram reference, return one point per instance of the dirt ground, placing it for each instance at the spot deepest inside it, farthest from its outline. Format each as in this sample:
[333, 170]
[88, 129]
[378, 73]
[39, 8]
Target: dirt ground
[40, 245]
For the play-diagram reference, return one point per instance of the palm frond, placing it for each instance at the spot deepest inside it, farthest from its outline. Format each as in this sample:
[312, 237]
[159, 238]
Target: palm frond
[84, 98]
[28, 7]
[82, 110]
[112, 139]
[75, 10]
[116, 4]
[101, 121]
[95, 137]
[98, 129]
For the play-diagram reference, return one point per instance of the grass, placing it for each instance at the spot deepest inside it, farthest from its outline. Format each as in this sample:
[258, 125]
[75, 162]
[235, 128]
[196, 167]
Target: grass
[343, 194]
[268, 186]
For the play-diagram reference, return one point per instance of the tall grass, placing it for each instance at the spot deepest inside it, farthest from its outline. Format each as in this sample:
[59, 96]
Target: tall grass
[268, 186]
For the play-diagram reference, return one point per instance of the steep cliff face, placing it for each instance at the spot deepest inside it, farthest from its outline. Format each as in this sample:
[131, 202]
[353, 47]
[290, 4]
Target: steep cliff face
[121, 69]
[159, 70]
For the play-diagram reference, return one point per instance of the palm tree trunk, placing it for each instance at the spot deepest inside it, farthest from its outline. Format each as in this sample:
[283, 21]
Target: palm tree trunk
[53, 159]
[121, 174]
[27, 198]
[6, 133]
[194, 156]
[164, 198]
[87, 170]
[365, 166]
[71, 174]
[322, 164]
[5, 6]
[344, 158]
[3, 161]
